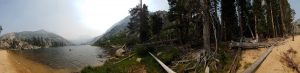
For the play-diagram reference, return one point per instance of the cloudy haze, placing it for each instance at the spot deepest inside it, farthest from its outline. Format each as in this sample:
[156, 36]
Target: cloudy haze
[72, 19]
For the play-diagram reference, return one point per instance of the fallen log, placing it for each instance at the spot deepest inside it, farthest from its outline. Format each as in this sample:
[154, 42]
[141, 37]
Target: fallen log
[124, 58]
[246, 45]
[169, 70]
[260, 60]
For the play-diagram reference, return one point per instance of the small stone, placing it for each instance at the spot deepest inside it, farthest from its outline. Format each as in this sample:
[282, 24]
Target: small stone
[138, 59]
[207, 69]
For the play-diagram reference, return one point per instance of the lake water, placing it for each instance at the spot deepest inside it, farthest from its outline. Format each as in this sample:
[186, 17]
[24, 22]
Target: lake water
[67, 57]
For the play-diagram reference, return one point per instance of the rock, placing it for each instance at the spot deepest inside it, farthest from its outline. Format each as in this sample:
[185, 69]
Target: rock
[138, 59]
[207, 69]
[119, 52]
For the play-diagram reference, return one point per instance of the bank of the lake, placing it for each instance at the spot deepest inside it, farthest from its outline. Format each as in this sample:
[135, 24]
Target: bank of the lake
[12, 63]
[5, 64]
[51, 60]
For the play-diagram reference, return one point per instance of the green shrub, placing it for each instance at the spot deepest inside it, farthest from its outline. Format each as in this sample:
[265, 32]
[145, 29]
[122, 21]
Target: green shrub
[168, 55]
[126, 66]
[88, 69]
[141, 51]
[152, 66]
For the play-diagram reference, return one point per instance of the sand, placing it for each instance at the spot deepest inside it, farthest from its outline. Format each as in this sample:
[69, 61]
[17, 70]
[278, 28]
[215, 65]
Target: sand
[12, 63]
[272, 63]
[5, 65]
[248, 57]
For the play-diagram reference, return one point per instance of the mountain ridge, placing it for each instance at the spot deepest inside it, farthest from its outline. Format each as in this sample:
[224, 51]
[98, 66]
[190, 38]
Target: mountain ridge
[114, 29]
[121, 26]
[32, 40]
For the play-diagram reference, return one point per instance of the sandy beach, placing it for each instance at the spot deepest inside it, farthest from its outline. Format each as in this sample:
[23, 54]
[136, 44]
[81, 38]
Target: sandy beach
[12, 63]
[5, 65]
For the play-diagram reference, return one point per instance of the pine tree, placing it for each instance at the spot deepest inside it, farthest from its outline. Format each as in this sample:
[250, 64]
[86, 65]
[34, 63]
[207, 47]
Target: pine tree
[133, 23]
[178, 14]
[244, 7]
[1, 29]
[144, 30]
[229, 20]
[139, 23]
[288, 15]
[270, 18]
[156, 23]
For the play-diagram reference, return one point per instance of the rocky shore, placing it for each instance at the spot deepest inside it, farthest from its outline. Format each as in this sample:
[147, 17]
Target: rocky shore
[16, 44]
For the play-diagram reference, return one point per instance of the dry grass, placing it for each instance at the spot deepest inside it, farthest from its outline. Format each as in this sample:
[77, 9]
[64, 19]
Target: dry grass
[287, 59]
[247, 64]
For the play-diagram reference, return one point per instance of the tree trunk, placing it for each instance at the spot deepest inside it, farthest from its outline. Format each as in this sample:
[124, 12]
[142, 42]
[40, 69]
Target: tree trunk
[293, 32]
[255, 23]
[240, 15]
[216, 22]
[272, 21]
[206, 35]
[282, 19]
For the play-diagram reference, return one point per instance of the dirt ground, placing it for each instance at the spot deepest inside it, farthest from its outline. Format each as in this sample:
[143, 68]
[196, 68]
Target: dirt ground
[272, 63]
[11, 63]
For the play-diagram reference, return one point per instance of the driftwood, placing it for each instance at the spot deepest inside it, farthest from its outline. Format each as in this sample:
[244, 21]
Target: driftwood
[255, 65]
[124, 58]
[169, 70]
[190, 68]
[246, 45]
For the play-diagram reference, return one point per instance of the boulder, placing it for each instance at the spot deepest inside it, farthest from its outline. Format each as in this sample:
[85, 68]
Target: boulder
[120, 52]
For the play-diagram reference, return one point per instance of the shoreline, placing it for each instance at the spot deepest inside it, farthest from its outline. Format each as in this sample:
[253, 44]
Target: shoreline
[12, 63]
[5, 64]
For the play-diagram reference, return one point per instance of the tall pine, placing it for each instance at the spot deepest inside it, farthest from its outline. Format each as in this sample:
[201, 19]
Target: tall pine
[229, 20]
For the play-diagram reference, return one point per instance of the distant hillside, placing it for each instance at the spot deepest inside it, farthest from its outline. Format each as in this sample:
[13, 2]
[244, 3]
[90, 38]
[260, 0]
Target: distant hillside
[32, 39]
[297, 23]
[116, 28]
[121, 26]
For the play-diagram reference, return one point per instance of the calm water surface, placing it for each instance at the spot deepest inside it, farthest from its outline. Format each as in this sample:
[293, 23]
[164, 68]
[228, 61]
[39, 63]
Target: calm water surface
[67, 57]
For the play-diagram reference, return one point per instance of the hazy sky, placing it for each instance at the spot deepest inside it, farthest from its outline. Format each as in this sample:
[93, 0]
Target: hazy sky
[74, 19]
[295, 4]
